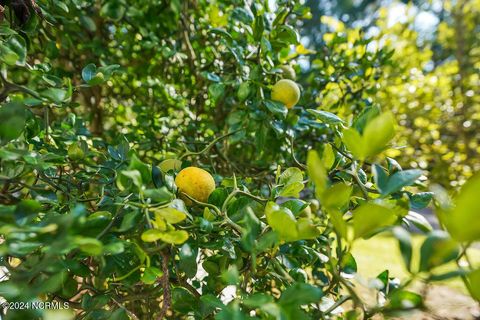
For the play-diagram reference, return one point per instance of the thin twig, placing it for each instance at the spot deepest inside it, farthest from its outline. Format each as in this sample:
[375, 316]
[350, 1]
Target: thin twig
[210, 145]
[167, 298]
[130, 313]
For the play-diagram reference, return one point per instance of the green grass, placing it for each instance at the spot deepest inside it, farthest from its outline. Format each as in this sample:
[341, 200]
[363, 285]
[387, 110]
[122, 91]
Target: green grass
[375, 255]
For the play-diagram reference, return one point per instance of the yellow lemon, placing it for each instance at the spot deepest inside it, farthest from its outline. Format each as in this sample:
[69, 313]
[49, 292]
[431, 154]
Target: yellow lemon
[195, 182]
[287, 92]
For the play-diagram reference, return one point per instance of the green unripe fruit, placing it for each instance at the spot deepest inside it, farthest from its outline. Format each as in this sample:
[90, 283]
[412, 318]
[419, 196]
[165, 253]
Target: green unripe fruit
[243, 91]
[170, 165]
[288, 72]
[75, 152]
[314, 205]
[306, 212]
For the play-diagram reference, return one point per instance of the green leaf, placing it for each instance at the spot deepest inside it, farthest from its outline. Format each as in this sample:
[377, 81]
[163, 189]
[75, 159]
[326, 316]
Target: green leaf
[300, 294]
[287, 34]
[231, 275]
[151, 235]
[242, 15]
[100, 215]
[216, 91]
[129, 220]
[171, 215]
[348, 264]
[317, 173]
[291, 175]
[400, 179]
[419, 221]
[378, 133]
[151, 275]
[258, 27]
[7, 55]
[295, 205]
[243, 91]
[88, 23]
[291, 190]
[209, 303]
[224, 34]
[144, 169]
[404, 300]
[370, 217]
[90, 246]
[126, 177]
[13, 115]
[282, 221]
[337, 196]
[328, 156]
[161, 195]
[277, 108]
[437, 249]
[6, 31]
[306, 229]
[188, 260]
[365, 116]
[448, 275]
[354, 142]
[325, 116]
[256, 300]
[17, 44]
[55, 95]
[182, 300]
[26, 210]
[173, 237]
[474, 279]
[113, 248]
[113, 10]
[88, 72]
[405, 244]
[462, 222]
[380, 176]
[62, 6]
[420, 200]
[338, 222]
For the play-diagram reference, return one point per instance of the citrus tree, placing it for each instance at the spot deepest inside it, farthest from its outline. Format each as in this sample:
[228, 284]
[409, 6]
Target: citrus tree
[164, 160]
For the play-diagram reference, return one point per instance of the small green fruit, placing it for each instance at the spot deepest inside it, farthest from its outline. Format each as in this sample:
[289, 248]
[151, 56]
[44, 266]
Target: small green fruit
[75, 152]
[243, 91]
[288, 72]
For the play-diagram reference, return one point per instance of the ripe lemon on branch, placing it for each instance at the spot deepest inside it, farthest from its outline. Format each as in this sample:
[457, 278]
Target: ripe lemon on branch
[287, 92]
[196, 183]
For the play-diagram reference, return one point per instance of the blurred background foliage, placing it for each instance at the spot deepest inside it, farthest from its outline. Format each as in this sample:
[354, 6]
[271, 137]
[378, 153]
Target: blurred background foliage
[432, 81]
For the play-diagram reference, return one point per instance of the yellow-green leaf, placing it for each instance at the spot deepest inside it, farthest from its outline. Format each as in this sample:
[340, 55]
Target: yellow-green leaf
[337, 196]
[354, 142]
[328, 156]
[378, 133]
[474, 279]
[282, 221]
[171, 215]
[317, 172]
[370, 217]
[463, 222]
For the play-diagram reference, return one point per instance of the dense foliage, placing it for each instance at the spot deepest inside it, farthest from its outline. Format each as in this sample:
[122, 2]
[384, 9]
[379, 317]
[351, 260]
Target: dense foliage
[97, 95]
